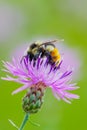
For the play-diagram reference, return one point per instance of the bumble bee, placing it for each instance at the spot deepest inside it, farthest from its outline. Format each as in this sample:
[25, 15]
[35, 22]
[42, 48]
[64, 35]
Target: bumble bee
[44, 49]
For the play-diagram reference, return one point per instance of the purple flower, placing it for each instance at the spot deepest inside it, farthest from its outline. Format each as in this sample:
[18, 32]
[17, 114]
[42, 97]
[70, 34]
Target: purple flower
[40, 71]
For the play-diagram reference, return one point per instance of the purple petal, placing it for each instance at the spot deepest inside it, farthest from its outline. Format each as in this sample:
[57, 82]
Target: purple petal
[21, 88]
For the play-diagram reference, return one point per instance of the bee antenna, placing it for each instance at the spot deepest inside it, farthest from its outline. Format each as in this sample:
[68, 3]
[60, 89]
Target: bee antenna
[22, 59]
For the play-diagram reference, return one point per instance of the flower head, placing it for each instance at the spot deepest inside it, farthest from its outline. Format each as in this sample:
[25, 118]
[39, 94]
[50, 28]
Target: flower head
[40, 71]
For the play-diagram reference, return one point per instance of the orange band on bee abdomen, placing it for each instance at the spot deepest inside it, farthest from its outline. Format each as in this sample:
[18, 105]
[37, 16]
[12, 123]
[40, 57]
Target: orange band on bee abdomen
[55, 55]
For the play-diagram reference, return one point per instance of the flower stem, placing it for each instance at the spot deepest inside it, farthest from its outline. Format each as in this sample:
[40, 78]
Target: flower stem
[24, 121]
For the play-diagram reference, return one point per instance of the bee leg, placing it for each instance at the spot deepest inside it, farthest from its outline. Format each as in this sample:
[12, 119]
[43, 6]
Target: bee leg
[41, 52]
[48, 56]
[30, 56]
[36, 56]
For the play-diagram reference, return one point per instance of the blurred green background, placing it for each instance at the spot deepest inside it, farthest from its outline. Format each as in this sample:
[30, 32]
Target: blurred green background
[22, 21]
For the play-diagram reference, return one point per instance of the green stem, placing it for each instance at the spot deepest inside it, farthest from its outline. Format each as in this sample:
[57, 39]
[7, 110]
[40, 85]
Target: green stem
[24, 121]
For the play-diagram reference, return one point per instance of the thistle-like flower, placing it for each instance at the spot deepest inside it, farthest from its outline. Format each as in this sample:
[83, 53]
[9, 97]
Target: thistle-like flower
[37, 74]
[40, 73]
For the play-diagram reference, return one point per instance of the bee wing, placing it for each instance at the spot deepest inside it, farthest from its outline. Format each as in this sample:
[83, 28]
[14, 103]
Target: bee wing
[51, 42]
